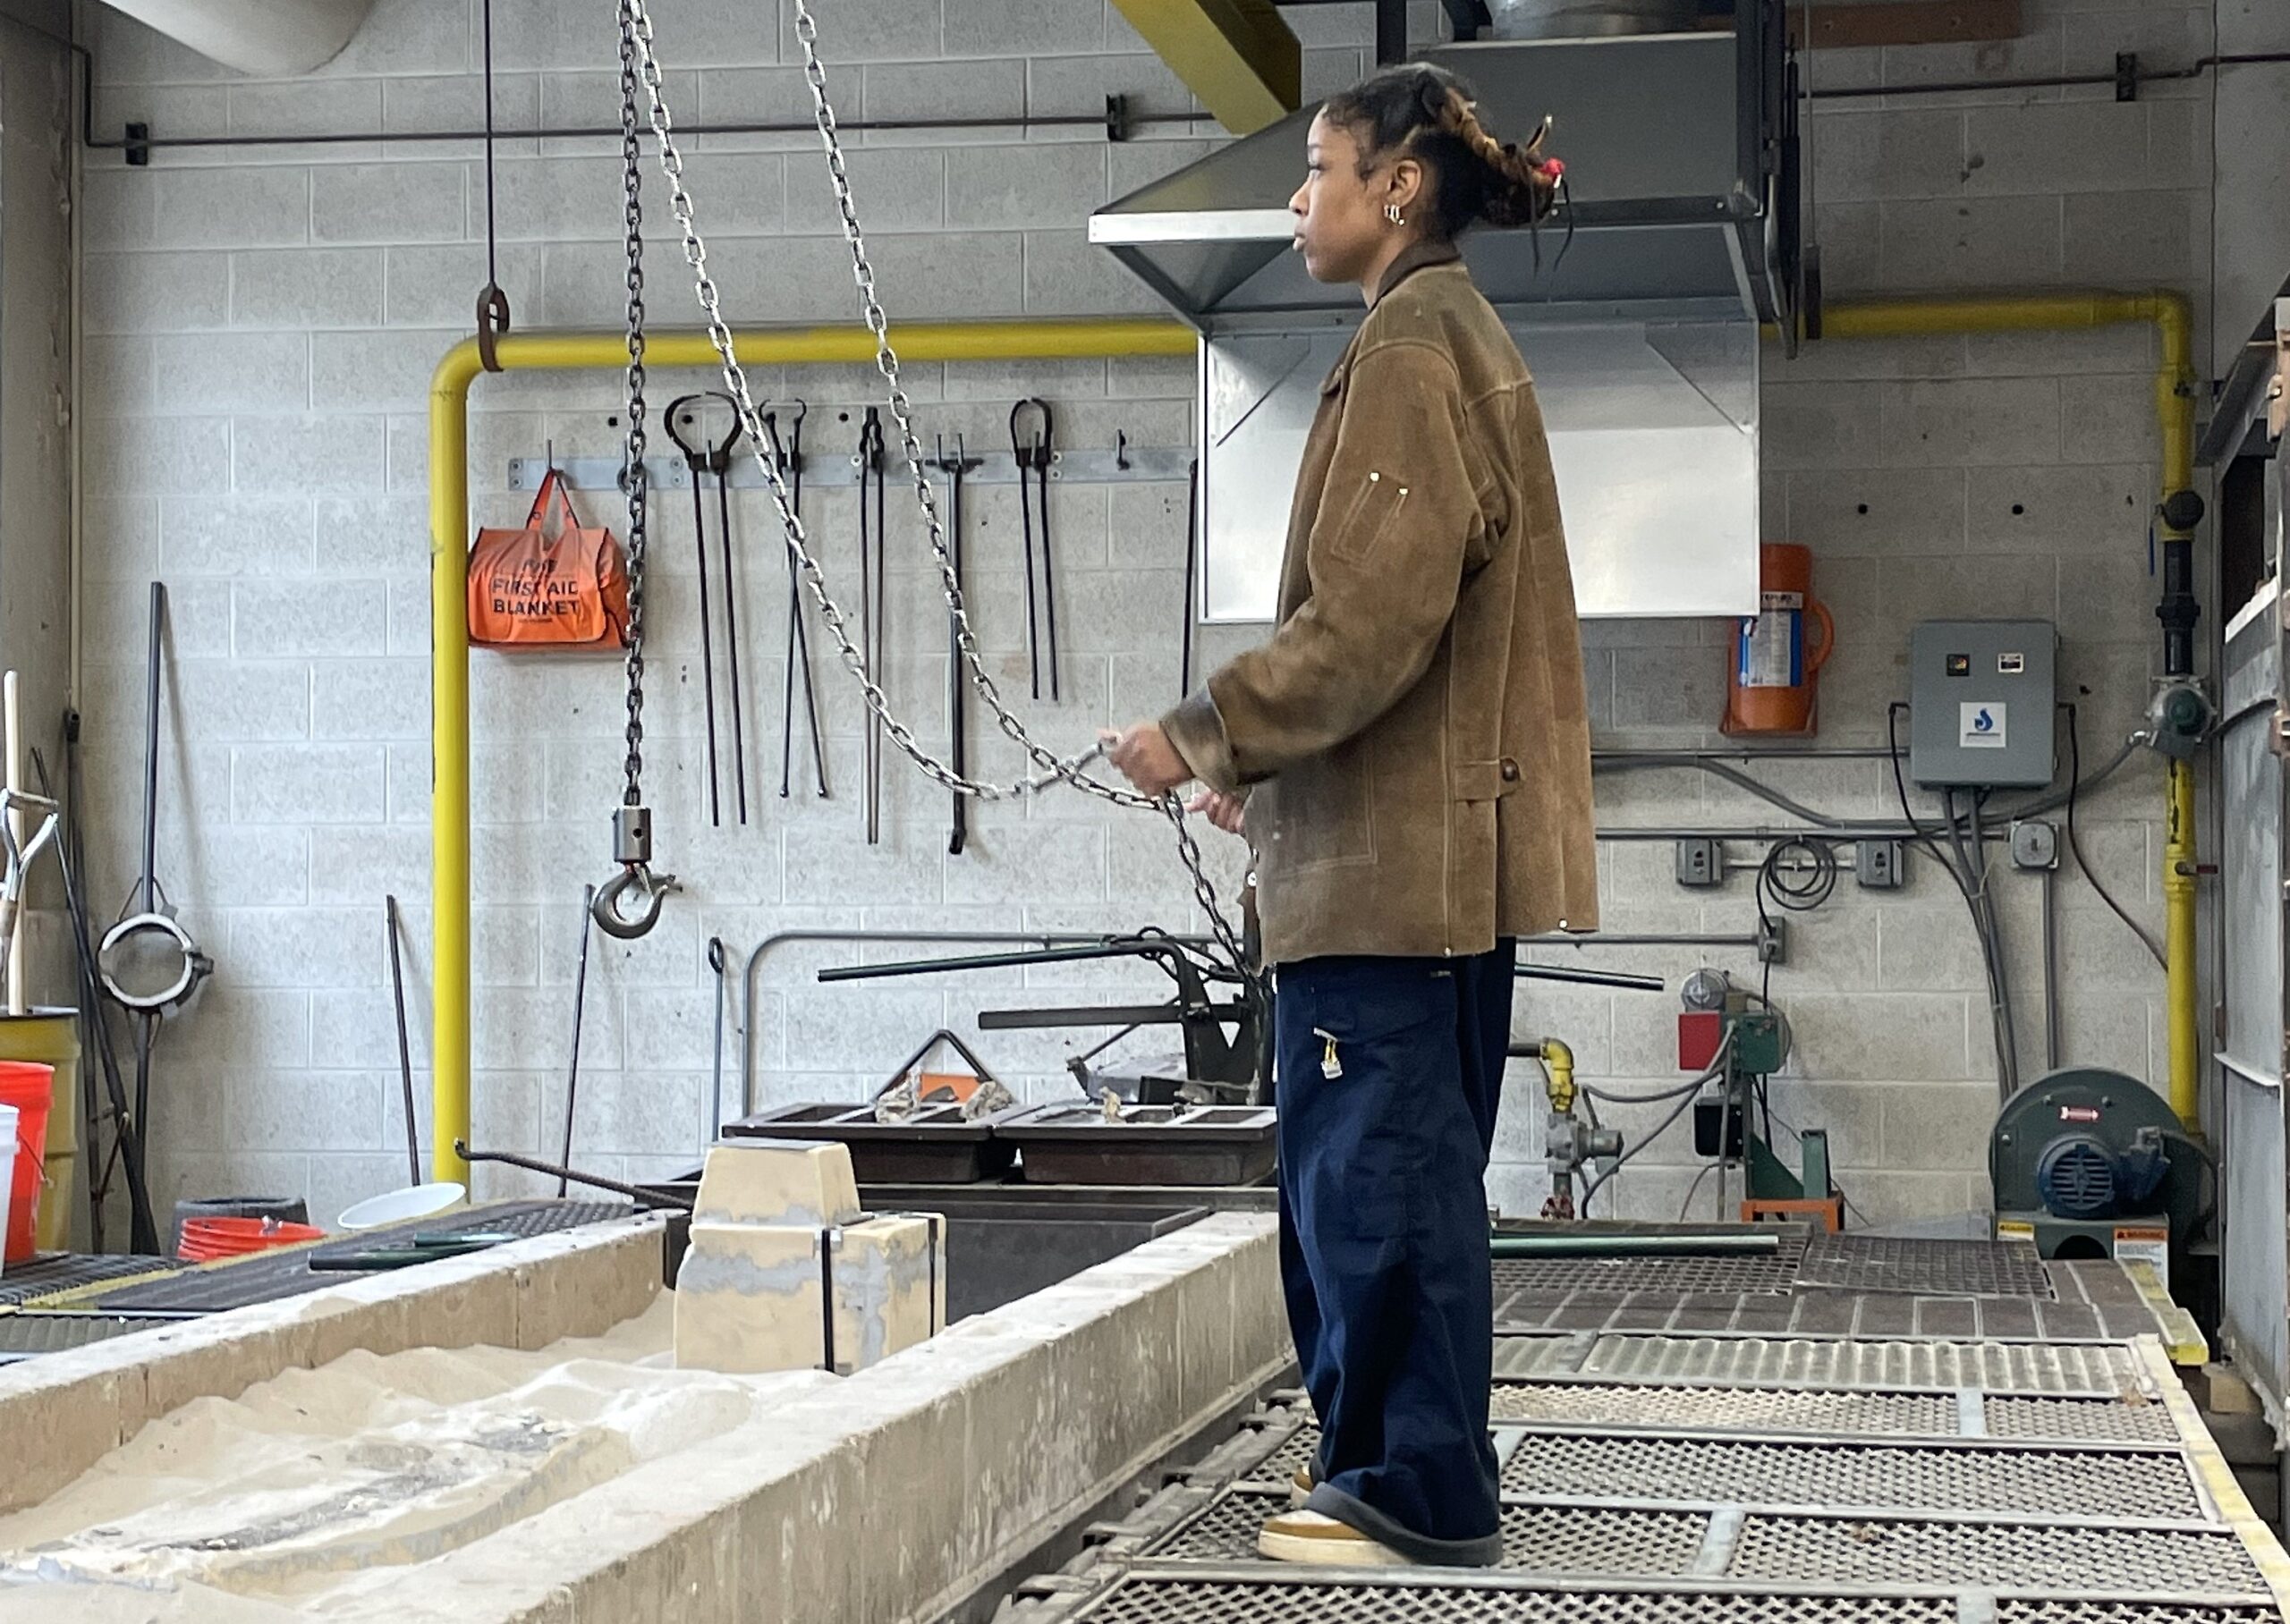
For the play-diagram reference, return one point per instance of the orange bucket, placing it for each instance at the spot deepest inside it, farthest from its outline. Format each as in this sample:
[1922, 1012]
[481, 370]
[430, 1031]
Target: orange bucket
[207, 1239]
[30, 1088]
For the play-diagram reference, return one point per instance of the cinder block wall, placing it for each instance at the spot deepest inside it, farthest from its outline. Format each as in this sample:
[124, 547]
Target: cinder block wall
[261, 326]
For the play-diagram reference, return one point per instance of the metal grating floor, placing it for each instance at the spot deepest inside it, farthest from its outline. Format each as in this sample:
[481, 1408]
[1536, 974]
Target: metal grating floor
[1608, 1541]
[1731, 1479]
[1925, 1268]
[2025, 1482]
[1167, 1599]
[1550, 1539]
[2043, 1557]
[1733, 1408]
[2102, 1370]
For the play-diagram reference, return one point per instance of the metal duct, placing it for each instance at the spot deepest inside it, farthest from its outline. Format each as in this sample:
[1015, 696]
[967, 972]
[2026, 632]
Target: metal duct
[274, 38]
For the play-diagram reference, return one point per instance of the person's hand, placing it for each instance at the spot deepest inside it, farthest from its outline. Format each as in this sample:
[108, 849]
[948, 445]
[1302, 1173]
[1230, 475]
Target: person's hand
[1228, 812]
[1144, 756]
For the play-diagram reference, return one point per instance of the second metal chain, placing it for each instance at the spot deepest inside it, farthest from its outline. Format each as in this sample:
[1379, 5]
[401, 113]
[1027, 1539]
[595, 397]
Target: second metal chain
[633, 476]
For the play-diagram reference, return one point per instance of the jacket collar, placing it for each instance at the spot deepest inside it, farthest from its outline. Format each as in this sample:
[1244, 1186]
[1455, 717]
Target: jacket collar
[1417, 256]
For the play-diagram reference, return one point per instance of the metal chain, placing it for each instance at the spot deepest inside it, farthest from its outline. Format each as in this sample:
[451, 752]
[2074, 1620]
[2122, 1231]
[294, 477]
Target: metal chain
[1055, 769]
[632, 477]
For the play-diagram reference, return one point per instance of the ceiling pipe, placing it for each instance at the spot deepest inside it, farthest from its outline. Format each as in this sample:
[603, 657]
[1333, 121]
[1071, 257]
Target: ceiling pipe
[274, 38]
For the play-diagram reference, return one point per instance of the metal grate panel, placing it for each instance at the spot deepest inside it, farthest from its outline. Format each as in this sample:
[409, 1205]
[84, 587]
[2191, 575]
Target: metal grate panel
[1919, 1267]
[23, 1335]
[1730, 1408]
[1661, 1276]
[268, 1277]
[2052, 1556]
[1290, 1458]
[2133, 1418]
[1543, 1539]
[1153, 1599]
[2131, 1612]
[2030, 1482]
[2099, 1369]
[53, 1271]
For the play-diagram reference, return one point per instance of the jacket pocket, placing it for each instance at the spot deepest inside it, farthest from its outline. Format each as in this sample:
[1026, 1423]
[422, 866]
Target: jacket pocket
[1370, 515]
[1325, 811]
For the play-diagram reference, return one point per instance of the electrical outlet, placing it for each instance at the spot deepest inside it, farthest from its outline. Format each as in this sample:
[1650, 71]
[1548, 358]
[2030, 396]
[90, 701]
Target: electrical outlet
[1876, 865]
[2035, 844]
[1700, 863]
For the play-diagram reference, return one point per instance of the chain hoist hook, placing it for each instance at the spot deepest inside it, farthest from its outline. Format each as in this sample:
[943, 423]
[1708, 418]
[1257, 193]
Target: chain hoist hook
[632, 849]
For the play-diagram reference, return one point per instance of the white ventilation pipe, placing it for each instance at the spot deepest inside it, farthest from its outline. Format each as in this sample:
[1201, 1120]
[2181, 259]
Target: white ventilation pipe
[274, 38]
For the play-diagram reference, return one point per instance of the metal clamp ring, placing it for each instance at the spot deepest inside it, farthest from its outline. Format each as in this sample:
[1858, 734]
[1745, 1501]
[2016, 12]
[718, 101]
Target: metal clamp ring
[654, 888]
[196, 965]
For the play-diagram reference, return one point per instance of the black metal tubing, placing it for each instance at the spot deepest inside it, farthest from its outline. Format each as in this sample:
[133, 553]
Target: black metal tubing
[1391, 32]
[138, 142]
[637, 1193]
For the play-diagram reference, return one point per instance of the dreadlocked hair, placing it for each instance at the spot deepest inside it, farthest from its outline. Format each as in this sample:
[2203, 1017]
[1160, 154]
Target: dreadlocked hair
[1424, 111]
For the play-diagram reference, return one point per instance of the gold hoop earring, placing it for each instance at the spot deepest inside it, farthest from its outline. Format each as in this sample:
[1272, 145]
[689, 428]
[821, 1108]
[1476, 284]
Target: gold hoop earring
[1392, 213]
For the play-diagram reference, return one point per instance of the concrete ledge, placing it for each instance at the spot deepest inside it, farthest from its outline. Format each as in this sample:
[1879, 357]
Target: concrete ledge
[888, 1495]
[66, 1411]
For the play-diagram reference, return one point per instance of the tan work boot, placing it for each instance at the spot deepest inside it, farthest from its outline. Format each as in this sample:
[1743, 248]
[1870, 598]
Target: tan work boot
[1312, 1540]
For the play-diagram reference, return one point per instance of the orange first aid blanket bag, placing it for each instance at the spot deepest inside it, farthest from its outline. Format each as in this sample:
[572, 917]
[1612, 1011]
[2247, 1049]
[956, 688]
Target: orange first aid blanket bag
[551, 584]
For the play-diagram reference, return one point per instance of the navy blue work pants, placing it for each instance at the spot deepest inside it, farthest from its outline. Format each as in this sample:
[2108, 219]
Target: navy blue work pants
[1389, 1073]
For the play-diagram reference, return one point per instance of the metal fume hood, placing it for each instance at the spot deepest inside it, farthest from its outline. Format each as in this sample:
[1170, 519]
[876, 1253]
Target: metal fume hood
[1680, 151]
[1675, 146]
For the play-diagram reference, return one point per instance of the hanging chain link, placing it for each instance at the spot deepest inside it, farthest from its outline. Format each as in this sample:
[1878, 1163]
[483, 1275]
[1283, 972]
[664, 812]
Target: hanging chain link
[633, 479]
[1055, 769]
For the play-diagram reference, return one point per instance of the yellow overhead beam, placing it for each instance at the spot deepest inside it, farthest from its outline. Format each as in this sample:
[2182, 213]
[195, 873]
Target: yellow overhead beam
[1236, 56]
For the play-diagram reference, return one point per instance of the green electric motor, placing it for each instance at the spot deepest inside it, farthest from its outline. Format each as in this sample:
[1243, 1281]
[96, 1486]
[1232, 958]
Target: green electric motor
[2093, 1163]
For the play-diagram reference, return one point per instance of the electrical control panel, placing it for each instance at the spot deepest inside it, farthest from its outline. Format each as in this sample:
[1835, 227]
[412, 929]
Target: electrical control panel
[1980, 704]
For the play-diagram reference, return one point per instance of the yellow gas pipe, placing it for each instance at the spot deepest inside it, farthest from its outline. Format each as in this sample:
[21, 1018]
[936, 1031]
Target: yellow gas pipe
[1022, 340]
[2174, 416]
[449, 584]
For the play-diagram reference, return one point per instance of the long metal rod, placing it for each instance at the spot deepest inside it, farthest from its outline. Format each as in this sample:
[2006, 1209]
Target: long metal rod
[731, 639]
[707, 646]
[147, 886]
[565, 1174]
[405, 1047]
[580, 999]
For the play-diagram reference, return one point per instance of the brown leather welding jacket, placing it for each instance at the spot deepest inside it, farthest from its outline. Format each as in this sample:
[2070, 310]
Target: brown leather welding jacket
[1414, 739]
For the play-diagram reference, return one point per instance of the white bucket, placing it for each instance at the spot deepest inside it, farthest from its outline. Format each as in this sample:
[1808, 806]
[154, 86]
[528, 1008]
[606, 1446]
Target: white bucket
[415, 1201]
[7, 1162]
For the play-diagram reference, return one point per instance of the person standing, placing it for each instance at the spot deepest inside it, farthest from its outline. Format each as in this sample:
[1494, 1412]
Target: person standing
[1409, 756]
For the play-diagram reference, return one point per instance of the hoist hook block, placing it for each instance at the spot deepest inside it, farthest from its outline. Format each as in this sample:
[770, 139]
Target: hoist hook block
[492, 325]
[651, 889]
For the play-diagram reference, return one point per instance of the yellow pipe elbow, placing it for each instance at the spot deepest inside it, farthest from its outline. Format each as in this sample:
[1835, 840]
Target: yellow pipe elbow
[1559, 1059]
[457, 370]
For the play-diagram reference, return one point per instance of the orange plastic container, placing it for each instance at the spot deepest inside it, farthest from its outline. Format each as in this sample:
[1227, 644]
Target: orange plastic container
[30, 1088]
[207, 1239]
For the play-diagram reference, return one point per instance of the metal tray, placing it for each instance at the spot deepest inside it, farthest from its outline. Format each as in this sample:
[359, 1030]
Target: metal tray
[937, 1144]
[1177, 1145]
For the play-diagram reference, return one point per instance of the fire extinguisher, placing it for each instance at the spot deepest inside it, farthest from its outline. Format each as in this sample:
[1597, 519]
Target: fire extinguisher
[1772, 686]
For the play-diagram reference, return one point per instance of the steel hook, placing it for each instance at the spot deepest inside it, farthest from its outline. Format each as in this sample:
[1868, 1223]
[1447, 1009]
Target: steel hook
[492, 325]
[654, 888]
